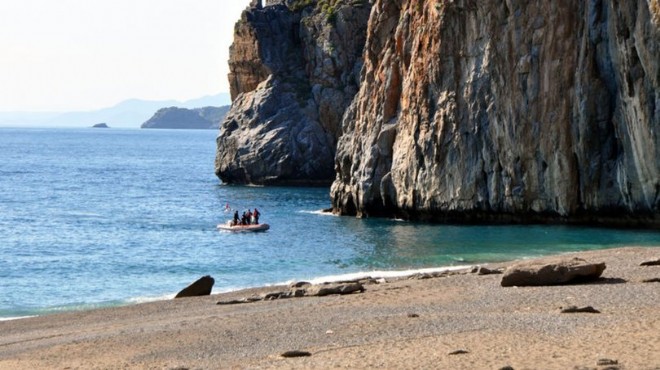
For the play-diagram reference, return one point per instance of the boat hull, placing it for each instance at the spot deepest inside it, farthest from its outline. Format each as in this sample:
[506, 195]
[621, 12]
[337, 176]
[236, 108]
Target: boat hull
[243, 228]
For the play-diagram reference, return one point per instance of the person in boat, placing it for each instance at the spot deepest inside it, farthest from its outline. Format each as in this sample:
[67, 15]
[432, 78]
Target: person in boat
[256, 215]
[249, 217]
[235, 219]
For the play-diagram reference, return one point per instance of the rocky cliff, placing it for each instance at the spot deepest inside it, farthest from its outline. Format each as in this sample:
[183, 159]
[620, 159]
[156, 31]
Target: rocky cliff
[506, 111]
[293, 71]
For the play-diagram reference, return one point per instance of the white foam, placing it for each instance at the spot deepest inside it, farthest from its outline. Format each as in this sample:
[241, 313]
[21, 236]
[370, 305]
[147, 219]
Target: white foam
[15, 318]
[147, 299]
[381, 274]
[319, 212]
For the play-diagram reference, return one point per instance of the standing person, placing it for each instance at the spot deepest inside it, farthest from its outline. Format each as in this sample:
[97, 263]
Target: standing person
[256, 216]
[244, 219]
[249, 217]
[235, 218]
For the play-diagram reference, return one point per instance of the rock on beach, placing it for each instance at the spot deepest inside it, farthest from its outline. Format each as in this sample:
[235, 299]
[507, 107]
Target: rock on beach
[201, 287]
[563, 271]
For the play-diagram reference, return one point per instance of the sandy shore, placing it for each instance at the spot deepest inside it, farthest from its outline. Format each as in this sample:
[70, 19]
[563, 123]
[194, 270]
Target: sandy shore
[405, 323]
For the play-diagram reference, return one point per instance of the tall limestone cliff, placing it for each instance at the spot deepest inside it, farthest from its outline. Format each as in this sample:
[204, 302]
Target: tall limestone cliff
[507, 110]
[294, 69]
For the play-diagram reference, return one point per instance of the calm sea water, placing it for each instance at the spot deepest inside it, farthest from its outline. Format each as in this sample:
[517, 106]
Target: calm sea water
[93, 217]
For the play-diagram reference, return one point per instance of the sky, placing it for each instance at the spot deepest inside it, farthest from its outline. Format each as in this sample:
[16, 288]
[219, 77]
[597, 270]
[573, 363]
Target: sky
[70, 55]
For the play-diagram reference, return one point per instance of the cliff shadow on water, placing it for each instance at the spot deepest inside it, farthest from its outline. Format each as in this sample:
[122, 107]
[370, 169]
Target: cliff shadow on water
[452, 111]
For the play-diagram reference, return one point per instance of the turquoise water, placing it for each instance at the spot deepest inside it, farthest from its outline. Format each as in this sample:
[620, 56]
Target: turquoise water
[92, 218]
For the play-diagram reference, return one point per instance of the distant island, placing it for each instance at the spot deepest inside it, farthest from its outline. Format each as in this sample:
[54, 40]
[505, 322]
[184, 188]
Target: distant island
[101, 125]
[182, 118]
[126, 114]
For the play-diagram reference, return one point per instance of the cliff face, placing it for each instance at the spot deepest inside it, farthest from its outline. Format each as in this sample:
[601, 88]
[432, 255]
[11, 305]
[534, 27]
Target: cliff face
[294, 70]
[506, 111]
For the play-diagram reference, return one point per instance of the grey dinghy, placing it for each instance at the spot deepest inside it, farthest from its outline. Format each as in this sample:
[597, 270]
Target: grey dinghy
[243, 228]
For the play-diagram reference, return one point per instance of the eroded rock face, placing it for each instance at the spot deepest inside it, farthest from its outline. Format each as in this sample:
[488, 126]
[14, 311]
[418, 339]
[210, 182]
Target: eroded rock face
[506, 111]
[293, 73]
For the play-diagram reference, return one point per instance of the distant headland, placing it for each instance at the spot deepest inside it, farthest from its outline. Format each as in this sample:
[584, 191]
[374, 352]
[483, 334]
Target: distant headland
[205, 118]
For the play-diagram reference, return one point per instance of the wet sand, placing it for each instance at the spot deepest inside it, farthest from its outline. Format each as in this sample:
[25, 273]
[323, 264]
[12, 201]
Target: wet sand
[399, 324]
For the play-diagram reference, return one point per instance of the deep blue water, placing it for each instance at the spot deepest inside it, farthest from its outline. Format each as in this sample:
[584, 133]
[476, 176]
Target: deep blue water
[98, 217]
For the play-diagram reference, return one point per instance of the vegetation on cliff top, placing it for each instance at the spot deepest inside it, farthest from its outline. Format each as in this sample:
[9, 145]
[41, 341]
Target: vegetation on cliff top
[327, 7]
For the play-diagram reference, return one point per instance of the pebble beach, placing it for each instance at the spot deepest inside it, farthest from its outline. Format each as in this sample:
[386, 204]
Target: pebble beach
[460, 320]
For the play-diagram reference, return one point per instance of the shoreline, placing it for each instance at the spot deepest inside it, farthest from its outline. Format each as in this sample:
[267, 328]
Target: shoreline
[400, 323]
[375, 274]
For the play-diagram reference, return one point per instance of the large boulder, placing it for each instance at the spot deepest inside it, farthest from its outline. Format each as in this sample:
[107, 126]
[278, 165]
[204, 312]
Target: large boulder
[552, 273]
[200, 287]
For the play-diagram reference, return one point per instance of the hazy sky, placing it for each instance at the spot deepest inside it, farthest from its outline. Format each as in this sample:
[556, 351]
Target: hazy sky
[88, 54]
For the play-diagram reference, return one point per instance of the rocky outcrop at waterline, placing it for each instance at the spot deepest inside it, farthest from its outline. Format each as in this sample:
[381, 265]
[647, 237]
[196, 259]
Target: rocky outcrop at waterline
[506, 111]
[294, 70]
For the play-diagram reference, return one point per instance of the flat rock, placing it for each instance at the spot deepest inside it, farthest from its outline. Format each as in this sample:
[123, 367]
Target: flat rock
[576, 309]
[329, 289]
[201, 287]
[458, 352]
[558, 272]
[486, 271]
[655, 262]
[606, 362]
[296, 353]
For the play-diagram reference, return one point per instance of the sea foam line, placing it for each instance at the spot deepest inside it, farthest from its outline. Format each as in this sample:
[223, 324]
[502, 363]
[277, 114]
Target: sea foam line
[16, 318]
[379, 274]
[319, 212]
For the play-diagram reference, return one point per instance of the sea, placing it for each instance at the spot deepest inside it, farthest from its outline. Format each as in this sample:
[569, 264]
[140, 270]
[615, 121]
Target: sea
[95, 218]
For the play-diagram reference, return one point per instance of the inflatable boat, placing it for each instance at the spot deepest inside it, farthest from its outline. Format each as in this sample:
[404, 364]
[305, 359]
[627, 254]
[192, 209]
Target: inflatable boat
[242, 228]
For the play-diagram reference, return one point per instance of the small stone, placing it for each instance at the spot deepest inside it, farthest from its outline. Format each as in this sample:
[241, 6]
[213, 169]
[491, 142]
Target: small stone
[413, 315]
[296, 353]
[576, 309]
[329, 332]
[458, 352]
[651, 280]
[507, 367]
[655, 262]
[486, 271]
[606, 362]
[299, 284]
